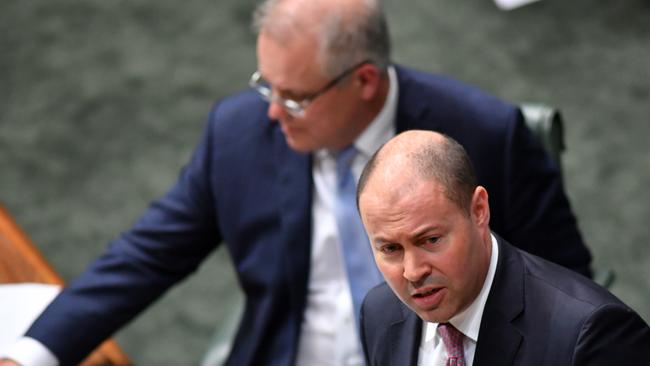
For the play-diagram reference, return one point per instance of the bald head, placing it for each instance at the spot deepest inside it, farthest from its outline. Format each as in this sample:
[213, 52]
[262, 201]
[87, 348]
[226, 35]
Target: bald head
[415, 155]
[346, 32]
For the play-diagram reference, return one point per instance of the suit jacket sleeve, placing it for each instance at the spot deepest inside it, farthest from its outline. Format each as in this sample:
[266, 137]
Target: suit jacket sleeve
[167, 243]
[613, 335]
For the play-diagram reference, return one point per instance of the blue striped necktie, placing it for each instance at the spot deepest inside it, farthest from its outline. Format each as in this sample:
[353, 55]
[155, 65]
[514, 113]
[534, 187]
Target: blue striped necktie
[359, 262]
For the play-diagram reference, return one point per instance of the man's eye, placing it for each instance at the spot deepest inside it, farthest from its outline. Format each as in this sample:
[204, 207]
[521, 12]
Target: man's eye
[431, 243]
[296, 97]
[433, 239]
[389, 249]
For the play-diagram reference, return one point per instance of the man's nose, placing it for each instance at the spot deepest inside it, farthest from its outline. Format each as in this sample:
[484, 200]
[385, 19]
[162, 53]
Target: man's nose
[416, 267]
[276, 111]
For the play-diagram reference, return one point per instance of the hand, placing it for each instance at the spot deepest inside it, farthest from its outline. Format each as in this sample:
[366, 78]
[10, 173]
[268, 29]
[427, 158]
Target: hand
[8, 362]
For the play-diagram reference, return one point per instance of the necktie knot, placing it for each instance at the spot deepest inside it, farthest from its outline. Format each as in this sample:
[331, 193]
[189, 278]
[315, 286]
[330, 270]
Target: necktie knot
[344, 163]
[453, 340]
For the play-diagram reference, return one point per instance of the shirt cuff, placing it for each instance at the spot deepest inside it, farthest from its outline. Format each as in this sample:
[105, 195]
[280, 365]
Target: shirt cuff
[30, 352]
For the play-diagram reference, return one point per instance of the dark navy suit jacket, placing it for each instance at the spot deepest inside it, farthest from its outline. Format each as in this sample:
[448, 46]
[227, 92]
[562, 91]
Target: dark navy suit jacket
[537, 313]
[246, 188]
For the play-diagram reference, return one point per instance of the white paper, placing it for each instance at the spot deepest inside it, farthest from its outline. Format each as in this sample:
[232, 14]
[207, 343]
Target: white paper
[20, 305]
[512, 4]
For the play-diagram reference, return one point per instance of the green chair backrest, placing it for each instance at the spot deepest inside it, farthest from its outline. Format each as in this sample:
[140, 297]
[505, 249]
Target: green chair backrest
[546, 123]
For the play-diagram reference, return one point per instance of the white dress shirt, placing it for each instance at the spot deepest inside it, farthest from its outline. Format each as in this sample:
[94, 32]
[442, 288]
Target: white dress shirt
[30, 352]
[468, 322]
[329, 335]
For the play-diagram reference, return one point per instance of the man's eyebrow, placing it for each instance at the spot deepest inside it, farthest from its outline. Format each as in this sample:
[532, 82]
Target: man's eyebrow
[293, 94]
[426, 230]
[379, 240]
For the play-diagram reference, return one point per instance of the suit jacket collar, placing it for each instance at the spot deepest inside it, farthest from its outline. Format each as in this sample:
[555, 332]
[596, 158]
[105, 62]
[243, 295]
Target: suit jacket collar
[412, 109]
[499, 339]
[405, 334]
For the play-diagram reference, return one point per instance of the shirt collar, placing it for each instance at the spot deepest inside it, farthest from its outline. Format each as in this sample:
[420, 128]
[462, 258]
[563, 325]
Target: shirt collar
[468, 321]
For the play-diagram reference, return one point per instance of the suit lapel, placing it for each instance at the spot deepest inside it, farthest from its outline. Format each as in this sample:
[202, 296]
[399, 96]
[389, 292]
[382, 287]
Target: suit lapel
[294, 190]
[405, 336]
[499, 340]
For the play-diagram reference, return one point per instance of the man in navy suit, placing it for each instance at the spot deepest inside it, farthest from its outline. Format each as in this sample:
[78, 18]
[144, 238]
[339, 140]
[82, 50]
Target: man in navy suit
[262, 181]
[458, 295]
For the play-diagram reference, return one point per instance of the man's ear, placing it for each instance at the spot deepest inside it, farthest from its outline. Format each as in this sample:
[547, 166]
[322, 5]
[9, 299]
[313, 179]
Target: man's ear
[368, 77]
[480, 207]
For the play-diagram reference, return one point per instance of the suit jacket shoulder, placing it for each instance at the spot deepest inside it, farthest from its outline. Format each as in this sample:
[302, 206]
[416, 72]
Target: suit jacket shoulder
[539, 313]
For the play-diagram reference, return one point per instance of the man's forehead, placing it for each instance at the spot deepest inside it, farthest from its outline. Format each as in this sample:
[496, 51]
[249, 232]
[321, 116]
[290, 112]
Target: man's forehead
[287, 64]
[390, 188]
[391, 172]
[415, 210]
[384, 191]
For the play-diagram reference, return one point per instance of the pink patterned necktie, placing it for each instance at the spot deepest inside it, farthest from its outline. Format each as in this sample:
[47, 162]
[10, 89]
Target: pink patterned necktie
[453, 340]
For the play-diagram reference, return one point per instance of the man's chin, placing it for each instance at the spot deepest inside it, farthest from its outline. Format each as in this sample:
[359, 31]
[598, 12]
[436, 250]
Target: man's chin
[300, 148]
[432, 315]
[300, 145]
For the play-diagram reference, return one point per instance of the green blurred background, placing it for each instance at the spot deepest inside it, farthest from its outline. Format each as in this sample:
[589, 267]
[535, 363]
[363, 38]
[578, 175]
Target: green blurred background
[101, 103]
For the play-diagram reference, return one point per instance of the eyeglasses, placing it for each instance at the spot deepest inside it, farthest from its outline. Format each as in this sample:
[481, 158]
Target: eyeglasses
[295, 107]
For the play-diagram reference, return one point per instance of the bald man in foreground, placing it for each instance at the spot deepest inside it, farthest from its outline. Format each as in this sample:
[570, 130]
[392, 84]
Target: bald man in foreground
[457, 294]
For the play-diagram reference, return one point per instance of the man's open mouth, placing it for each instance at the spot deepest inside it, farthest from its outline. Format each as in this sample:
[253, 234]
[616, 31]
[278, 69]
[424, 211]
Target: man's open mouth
[426, 293]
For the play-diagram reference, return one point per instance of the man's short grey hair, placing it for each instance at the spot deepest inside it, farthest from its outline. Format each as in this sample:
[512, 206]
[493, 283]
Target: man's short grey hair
[444, 161]
[346, 35]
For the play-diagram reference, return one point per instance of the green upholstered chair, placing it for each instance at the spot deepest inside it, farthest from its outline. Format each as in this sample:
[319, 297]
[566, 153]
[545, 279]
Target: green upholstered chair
[546, 123]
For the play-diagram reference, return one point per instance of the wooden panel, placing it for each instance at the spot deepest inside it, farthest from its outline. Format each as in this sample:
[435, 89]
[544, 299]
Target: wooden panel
[20, 261]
